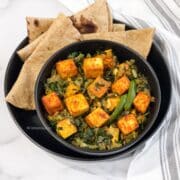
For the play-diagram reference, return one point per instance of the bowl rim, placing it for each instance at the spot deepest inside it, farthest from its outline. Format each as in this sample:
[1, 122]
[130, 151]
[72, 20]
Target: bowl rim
[87, 151]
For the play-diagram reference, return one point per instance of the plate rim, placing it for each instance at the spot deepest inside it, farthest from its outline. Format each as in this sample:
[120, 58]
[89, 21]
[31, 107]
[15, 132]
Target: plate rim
[115, 156]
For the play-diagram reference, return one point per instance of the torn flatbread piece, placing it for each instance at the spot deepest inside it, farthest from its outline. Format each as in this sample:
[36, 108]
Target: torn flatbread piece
[25, 52]
[60, 34]
[95, 18]
[37, 26]
[110, 18]
[118, 27]
[139, 40]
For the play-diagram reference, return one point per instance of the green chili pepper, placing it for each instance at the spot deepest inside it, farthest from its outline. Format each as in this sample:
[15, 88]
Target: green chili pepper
[118, 109]
[131, 95]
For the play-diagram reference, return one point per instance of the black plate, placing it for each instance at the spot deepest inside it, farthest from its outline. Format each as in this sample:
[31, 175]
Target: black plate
[31, 126]
[123, 53]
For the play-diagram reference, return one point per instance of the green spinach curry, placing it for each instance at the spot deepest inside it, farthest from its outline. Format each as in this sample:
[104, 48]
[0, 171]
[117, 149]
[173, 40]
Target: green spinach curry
[95, 102]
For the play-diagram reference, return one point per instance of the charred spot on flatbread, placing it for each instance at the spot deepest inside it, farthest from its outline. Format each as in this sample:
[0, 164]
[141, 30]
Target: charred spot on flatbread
[36, 22]
[95, 18]
[36, 26]
[85, 25]
[28, 22]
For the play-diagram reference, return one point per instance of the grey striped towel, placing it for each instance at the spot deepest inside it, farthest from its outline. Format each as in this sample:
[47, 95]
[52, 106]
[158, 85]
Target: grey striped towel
[160, 157]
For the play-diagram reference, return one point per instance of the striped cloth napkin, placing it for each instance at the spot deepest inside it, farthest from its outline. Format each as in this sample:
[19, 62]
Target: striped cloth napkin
[160, 157]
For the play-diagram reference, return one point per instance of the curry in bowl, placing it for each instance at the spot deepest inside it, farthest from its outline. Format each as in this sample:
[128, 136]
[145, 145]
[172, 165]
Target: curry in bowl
[94, 102]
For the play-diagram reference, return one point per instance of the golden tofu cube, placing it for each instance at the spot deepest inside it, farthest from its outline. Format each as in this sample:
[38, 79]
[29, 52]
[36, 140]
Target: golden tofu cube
[65, 128]
[52, 103]
[112, 102]
[99, 87]
[93, 67]
[71, 90]
[101, 56]
[142, 101]
[77, 104]
[121, 85]
[66, 68]
[127, 124]
[108, 60]
[97, 118]
[114, 132]
[108, 63]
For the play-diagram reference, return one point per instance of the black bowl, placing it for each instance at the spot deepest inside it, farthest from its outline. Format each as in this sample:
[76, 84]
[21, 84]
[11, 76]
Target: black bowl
[123, 53]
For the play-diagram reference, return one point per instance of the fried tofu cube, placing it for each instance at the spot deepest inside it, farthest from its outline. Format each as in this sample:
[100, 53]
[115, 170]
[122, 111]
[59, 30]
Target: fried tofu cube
[127, 124]
[65, 128]
[121, 85]
[52, 103]
[112, 102]
[97, 118]
[66, 68]
[108, 59]
[114, 132]
[142, 101]
[77, 104]
[108, 63]
[103, 56]
[93, 67]
[106, 54]
[71, 90]
[99, 87]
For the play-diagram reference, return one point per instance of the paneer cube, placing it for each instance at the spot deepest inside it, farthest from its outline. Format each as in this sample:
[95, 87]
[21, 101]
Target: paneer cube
[65, 128]
[142, 101]
[71, 90]
[114, 132]
[97, 118]
[127, 124]
[93, 67]
[77, 104]
[66, 68]
[52, 103]
[108, 59]
[103, 56]
[108, 63]
[99, 87]
[112, 102]
[121, 85]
